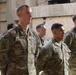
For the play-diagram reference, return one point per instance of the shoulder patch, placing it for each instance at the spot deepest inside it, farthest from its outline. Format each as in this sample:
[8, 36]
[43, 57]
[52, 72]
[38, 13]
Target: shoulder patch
[3, 44]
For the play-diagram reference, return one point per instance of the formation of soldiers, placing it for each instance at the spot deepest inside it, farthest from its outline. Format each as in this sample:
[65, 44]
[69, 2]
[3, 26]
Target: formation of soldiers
[23, 52]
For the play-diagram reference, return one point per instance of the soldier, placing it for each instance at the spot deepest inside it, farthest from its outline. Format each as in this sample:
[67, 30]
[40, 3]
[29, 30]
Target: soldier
[53, 57]
[18, 46]
[41, 31]
[70, 40]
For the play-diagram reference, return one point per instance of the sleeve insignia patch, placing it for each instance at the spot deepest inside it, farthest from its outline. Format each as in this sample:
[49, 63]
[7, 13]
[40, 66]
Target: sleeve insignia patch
[3, 44]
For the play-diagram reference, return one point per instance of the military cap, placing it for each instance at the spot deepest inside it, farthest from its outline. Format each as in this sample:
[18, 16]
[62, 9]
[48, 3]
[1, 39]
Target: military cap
[39, 26]
[56, 25]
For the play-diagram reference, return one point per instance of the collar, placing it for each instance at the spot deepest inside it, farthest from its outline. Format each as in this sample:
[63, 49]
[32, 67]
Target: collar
[21, 31]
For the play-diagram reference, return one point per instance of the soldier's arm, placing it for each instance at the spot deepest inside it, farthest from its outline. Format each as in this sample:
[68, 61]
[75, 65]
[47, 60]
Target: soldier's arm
[68, 39]
[38, 44]
[67, 52]
[6, 42]
[3, 53]
[44, 55]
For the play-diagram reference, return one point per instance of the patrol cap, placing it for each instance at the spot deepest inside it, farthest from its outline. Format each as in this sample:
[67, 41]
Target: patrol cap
[56, 25]
[39, 26]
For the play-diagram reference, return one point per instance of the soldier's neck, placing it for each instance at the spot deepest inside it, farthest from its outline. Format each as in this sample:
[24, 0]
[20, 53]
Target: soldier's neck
[58, 40]
[23, 25]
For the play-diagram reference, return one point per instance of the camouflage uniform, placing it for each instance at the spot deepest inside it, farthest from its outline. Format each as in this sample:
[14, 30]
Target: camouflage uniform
[42, 41]
[53, 58]
[17, 49]
[37, 53]
[70, 40]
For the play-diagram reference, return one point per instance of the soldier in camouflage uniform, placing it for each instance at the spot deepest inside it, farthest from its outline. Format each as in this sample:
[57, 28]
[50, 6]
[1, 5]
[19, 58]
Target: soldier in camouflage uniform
[18, 46]
[53, 57]
[70, 40]
[41, 31]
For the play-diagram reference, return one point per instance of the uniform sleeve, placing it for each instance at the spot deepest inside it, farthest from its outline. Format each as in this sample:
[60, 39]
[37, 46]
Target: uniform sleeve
[38, 44]
[68, 38]
[3, 53]
[45, 54]
[67, 52]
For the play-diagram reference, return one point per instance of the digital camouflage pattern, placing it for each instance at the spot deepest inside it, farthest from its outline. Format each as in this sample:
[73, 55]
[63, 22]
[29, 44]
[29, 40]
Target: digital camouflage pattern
[53, 58]
[70, 40]
[17, 49]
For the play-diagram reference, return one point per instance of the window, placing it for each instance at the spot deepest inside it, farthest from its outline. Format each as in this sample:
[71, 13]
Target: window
[58, 1]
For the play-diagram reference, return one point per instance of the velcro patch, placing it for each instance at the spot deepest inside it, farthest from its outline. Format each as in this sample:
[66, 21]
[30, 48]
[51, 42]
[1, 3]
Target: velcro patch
[3, 44]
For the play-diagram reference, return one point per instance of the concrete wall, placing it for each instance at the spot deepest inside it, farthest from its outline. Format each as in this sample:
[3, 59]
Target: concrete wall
[54, 10]
[19, 2]
[31, 3]
[42, 2]
[3, 15]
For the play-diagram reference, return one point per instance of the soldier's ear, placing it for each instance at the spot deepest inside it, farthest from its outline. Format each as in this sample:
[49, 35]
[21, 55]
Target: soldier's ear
[38, 30]
[54, 31]
[19, 14]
